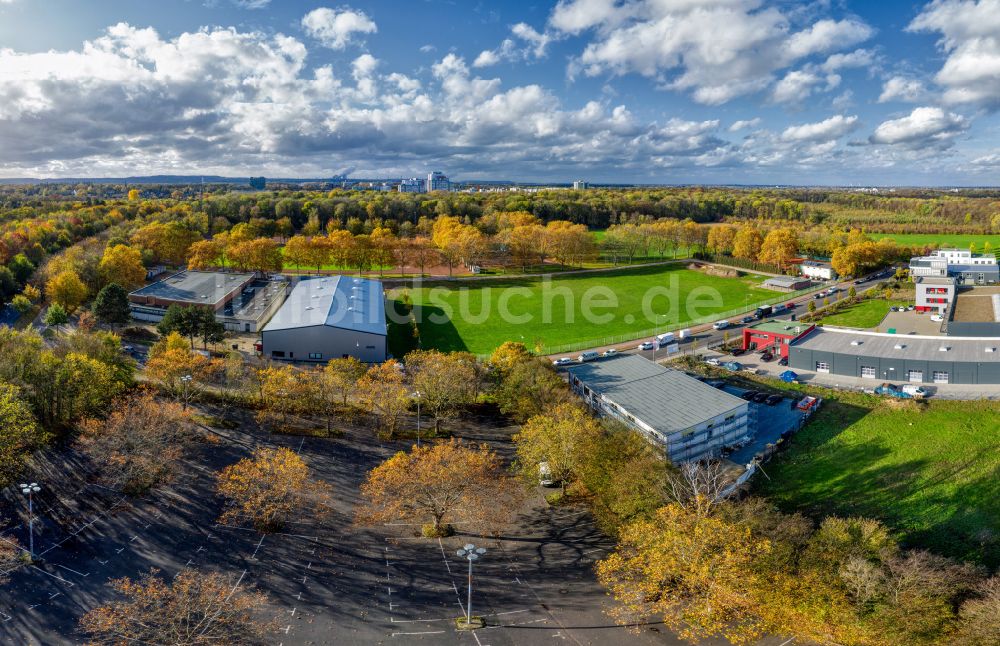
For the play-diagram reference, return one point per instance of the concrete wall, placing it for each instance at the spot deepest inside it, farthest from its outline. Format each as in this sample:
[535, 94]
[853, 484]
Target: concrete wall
[333, 343]
[895, 370]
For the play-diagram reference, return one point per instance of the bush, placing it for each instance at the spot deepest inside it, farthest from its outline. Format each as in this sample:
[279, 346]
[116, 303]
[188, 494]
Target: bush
[429, 531]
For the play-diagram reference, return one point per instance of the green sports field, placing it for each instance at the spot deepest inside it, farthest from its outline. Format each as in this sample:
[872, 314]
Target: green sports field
[931, 472]
[959, 240]
[863, 314]
[548, 313]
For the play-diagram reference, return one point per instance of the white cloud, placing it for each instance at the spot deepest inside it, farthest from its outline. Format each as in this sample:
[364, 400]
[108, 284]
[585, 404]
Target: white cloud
[857, 58]
[970, 36]
[795, 86]
[246, 4]
[900, 88]
[924, 127]
[827, 130]
[716, 49]
[744, 124]
[336, 29]
[526, 44]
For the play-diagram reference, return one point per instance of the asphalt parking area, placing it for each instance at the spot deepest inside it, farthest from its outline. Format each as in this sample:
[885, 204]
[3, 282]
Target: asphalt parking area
[330, 583]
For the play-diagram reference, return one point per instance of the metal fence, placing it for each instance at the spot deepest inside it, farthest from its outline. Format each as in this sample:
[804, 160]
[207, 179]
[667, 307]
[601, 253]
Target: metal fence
[632, 336]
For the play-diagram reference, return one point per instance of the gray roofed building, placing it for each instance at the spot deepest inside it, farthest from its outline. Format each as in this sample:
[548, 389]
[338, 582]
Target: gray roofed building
[687, 417]
[786, 283]
[329, 317]
[208, 288]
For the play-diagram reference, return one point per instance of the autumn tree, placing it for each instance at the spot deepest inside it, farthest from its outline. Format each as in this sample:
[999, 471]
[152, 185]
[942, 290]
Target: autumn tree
[122, 264]
[66, 289]
[270, 488]
[206, 254]
[19, 433]
[139, 444]
[284, 391]
[111, 305]
[721, 238]
[261, 255]
[440, 485]
[382, 390]
[695, 573]
[335, 384]
[560, 438]
[171, 361]
[445, 381]
[747, 243]
[166, 242]
[530, 388]
[194, 608]
[507, 356]
[779, 246]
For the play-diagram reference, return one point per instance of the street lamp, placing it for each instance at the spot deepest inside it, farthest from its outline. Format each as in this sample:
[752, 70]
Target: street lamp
[470, 552]
[185, 381]
[29, 490]
[416, 393]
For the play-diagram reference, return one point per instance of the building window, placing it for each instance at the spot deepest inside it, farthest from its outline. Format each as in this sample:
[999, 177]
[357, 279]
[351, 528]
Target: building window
[822, 366]
[280, 354]
[315, 355]
[940, 377]
[868, 372]
[369, 347]
[915, 375]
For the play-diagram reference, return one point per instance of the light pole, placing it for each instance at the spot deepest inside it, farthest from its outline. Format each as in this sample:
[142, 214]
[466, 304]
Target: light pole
[185, 384]
[29, 490]
[416, 393]
[470, 552]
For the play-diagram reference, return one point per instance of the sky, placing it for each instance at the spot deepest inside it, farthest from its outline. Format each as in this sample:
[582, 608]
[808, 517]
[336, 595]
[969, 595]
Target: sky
[832, 92]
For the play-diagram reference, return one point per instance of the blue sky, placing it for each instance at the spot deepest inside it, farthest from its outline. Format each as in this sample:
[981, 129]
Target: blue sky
[652, 91]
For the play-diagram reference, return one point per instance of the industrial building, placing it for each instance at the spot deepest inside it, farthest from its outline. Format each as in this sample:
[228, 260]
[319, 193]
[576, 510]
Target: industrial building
[964, 266]
[817, 270]
[786, 283]
[934, 293]
[893, 357]
[774, 335]
[688, 418]
[327, 318]
[241, 302]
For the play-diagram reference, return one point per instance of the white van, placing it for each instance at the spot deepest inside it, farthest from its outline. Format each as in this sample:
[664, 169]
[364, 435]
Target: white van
[545, 475]
[720, 325]
[665, 339]
[684, 334]
[589, 355]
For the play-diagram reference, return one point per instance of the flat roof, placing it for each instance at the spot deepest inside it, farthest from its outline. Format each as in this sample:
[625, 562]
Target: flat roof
[936, 280]
[202, 287]
[335, 301]
[785, 280]
[914, 347]
[254, 305]
[664, 399]
[780, 327]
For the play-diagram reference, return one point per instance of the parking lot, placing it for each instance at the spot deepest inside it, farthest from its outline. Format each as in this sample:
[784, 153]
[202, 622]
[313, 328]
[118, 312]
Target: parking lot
[330, 583]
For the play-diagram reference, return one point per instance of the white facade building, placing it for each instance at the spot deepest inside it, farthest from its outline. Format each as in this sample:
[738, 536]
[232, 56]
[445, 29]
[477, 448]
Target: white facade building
[580, 185]
[965, 266]
[412, 185]
[817, 270]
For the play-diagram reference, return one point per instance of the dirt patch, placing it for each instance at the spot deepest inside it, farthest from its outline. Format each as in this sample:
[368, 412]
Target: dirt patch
[975, 306]
[713, 270]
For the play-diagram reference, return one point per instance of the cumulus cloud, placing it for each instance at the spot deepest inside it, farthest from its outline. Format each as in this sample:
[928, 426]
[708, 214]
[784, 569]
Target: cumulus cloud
[716, 49]
[225, 101]
[827, 130]
[337, 28]
[527, 44]
[246, 4]
[970, 36]
[901, 88]
[924, 127]
[744, 124]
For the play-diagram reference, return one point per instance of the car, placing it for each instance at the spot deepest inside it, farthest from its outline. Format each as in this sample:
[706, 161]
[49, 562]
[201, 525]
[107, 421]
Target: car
[749, 395]
[647, 345]
[720, 325]
[713, 361]
[718, 384]
[747, 319]
[790, 305]
[563, 361]
[773, 400]
[737, 352]
[893, 309]
[767, 356]
[937, 318]
[817, 296]
[610, 352]
[589, 355]
[783, 361]
[859, 281]
[760, 398]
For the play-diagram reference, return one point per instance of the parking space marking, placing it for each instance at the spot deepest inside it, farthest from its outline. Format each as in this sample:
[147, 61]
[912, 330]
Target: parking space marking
[54, 576]
[253, 557]
[71, 570]
[426, 632]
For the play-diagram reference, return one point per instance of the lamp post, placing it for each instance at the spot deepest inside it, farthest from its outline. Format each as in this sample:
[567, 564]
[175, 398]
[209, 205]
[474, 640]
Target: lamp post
[470, 553]
[29, 490]
[185, 384]
[416, 393]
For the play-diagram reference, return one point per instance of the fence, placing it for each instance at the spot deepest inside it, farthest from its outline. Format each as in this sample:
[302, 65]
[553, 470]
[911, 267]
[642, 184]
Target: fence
[632, 336]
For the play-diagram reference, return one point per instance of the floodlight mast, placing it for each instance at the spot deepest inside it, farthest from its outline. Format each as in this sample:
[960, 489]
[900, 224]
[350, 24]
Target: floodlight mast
[29, 490]
[470, 553]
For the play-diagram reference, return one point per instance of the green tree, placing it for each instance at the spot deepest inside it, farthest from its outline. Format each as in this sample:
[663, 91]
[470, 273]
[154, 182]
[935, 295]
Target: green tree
[111, 305]
[56, 315]
[19, 433]
[21, 304]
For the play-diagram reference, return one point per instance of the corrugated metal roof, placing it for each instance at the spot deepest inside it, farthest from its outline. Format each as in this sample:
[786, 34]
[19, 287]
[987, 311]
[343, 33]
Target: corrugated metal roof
[335, 301]
[667, 400]
[204, 287]
[915, 347]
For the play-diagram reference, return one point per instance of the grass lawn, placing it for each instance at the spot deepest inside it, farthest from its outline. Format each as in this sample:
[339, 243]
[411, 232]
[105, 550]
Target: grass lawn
[863, 314]
[930, 471]
[960, 240]
[468, 316]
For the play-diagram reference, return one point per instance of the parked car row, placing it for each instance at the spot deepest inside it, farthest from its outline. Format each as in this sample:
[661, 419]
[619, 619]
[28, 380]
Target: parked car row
[590, 355]
[762, 397]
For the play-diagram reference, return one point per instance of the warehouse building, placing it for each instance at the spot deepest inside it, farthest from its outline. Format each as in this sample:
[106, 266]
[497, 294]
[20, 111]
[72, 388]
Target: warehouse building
[241, 302]
[891, 357]
[688, 418]
[786, 283]
[328, 318]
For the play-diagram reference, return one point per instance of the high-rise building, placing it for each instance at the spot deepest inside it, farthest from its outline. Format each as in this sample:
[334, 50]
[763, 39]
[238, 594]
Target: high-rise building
[438, 181]
[412, 185]
[579, 185]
